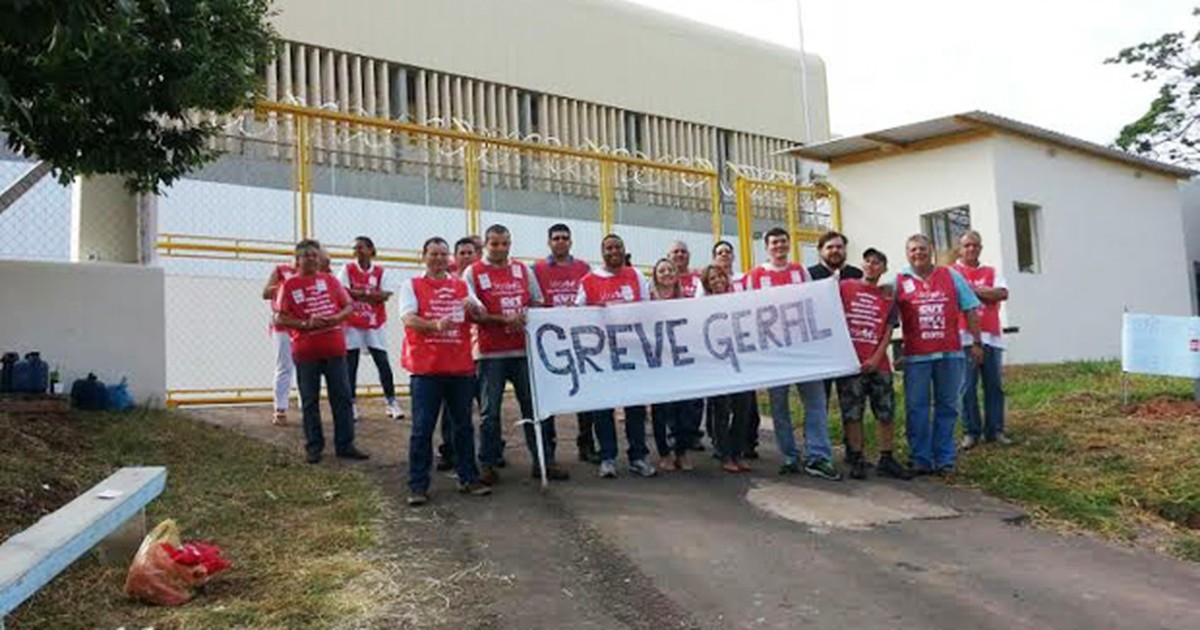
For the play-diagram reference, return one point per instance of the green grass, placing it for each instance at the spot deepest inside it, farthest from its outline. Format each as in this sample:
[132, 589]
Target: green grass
[1083, 460]
[296, 534]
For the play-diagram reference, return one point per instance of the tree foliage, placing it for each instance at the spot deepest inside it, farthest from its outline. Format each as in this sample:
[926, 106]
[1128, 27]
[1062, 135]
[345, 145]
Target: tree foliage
[123, 86]
[1168, 130]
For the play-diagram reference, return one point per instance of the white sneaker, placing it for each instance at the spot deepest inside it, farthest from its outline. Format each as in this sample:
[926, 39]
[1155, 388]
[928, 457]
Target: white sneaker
[608, 469]
[394, 411]
[967, 443]
[1002, 440]
[642, 468]
[354, 410]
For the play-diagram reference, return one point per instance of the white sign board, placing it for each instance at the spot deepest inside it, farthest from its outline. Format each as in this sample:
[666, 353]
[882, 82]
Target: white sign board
[589, 358]
[1160, 344]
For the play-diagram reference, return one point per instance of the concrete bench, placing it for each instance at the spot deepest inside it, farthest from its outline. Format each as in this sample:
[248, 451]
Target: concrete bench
[36, 555]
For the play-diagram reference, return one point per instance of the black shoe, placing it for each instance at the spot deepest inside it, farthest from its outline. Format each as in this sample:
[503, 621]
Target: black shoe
[889, 467]
[488, 475]
[945, 471]
[858, 468]
[313, 458]
[474, 489]
[698, 447]
[790, 468]
[751, 453]
[588, 453]
[444, 464]
[353, 453]
[554, 472]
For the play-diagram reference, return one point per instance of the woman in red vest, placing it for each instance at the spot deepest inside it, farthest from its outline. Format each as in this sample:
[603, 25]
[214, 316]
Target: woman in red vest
[437, 353]
[283, 342]
[930, 299]
[673, 433]
[366, 329]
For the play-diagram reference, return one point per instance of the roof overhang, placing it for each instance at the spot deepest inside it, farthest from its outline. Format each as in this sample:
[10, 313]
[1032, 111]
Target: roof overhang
[960, 128]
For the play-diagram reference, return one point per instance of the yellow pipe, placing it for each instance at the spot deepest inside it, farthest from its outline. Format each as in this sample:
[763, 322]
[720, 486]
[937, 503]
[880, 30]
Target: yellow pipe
[745, 224]
[835, 198]
[607, 198]
[792, 200]
[471, 185]
[714, 184]
[519, 145]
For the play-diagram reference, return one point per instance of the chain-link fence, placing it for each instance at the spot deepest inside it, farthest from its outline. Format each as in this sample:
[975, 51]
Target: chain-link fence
[805, 211]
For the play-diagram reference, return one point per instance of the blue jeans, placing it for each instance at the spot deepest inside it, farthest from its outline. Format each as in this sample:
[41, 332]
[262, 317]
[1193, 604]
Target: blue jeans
[635, 433]
[493, 374]
[337, 382]
[931, 445]
[816, 422]
[429, 394]
[991, 372]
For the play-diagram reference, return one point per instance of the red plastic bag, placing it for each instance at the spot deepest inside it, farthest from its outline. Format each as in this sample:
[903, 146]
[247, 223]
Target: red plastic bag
[166, 572]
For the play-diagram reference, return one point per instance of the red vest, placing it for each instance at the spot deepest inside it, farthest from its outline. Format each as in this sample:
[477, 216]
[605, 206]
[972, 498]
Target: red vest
[445, 353]
[502, 290]
[284, 272]
[762, 278]
[314, 296]
[928, 313]
[989, 315]
[625, 286]
[866, 318]
[366, 315]
[560, 283]
[690, 282]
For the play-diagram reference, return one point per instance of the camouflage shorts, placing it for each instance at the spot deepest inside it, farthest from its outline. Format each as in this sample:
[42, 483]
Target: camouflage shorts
[854, 391]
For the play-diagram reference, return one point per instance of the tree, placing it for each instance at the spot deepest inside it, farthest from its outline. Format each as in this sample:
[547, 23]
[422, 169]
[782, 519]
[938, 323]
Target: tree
[120, 86]
[1168, 130]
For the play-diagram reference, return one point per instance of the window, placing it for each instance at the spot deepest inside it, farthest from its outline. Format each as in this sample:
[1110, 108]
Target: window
[944, 228]
[1027, 217]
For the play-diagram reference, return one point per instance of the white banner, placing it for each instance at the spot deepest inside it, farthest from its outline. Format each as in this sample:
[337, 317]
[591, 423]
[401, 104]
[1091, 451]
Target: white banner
[1160, 344]
[582, 359]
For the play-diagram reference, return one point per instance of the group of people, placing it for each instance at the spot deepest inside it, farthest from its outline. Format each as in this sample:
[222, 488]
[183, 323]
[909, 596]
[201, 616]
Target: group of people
[464, 342]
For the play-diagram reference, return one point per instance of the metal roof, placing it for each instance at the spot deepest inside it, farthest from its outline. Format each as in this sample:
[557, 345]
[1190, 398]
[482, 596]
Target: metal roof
[897, 140]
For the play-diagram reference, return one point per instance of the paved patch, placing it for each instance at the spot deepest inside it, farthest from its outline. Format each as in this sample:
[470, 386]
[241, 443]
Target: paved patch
[861, 507]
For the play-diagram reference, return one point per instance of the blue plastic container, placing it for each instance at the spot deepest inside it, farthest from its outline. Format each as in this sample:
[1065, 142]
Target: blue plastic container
[31, 375]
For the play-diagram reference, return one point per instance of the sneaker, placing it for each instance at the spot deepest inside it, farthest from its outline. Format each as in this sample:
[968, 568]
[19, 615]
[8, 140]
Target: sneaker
[685, 464]
[554, 472]
[608, 469]
[444, 464]
[488, 475]
[968, 442]
[474, 488]
[858, 469]
[889, 467]
[354, 410]
[313, 458]
[353, 453]
[1002, 440]
[823, 469]
[280, 418]
[668, 463]
[731, 467]
[642, 468]
[789, 468]
[417, 498]
[394, 411]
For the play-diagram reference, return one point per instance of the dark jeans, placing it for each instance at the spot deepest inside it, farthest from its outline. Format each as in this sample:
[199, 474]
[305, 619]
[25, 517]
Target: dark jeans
[692, 415]
[493, 374]
[991, 373]
[446, 449]
[586, 440]
[673, 430]
[754, 423]
[635, 433]
[731, 418]
[308, 380]
[381, 363]
[429, 393]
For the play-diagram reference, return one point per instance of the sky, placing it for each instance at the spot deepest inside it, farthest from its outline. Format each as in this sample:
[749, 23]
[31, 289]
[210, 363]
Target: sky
[892, 62]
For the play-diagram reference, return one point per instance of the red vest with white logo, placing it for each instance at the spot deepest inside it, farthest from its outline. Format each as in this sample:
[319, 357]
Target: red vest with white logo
[366, 315]
[763, 278]
[284, 272]
[314, 296]
[690, 282]
[445, 353]
[866, 317]
[928, 313]
[989, 314]
[625, 286]
[503, 290]
[560, 283]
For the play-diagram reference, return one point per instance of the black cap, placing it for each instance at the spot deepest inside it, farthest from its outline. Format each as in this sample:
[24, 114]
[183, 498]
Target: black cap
[871, 251]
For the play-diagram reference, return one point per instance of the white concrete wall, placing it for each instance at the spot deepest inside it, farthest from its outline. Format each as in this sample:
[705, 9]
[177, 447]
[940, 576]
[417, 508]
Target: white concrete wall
[94, 317]
[883, 200]
[604, 51]
[1190, 193]
[1110, 238]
